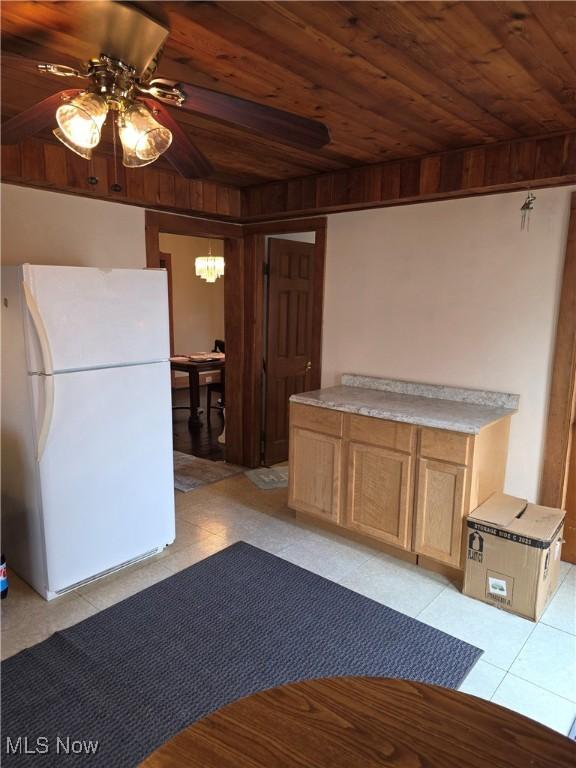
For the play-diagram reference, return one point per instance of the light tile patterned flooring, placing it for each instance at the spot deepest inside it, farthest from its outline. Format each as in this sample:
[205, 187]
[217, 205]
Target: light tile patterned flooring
[528, 667]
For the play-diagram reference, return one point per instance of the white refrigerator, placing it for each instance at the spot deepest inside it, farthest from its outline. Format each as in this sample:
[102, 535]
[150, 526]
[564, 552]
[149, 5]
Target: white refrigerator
[87, 473]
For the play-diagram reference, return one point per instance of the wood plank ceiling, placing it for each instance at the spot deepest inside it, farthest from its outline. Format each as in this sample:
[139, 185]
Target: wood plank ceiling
[390, 79]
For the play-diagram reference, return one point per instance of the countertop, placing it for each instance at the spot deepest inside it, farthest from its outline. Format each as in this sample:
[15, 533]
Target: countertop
[455, 409]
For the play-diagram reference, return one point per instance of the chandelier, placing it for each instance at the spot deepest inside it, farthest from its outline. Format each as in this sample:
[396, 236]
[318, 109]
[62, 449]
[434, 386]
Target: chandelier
[210, 267]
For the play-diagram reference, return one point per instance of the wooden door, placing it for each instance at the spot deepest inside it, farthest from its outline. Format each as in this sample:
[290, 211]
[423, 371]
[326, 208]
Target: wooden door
[315, 470]
[440, 510]
[295, 288]
[379, 501]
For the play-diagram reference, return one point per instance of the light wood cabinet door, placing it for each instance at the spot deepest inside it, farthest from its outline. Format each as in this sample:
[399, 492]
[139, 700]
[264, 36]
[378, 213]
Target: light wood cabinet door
[379, 493]
[315, 473]
[440, 510]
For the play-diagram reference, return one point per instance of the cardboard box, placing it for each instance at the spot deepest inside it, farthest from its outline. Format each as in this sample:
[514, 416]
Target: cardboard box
[513, 554]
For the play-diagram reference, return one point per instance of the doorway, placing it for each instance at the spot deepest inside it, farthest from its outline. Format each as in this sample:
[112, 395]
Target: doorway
[264, 424]
[197, 345]
[245, 315]
[232, 242]
[558, 486]
[292, 289]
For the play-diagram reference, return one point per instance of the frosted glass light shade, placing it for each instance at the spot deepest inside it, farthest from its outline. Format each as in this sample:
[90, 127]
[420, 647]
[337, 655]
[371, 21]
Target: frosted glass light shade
[82, 151]
[131, 160]
[80, 120]
[209, 268]
[142, 137]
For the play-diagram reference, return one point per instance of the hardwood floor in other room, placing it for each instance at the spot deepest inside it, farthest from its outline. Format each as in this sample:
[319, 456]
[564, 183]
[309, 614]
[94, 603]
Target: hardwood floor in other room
[202, 440]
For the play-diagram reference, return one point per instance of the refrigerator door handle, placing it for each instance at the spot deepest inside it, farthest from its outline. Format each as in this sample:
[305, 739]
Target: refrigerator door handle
[40, 329]
[48, 414]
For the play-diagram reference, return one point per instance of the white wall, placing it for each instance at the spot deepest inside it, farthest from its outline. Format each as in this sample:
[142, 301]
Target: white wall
[452, 293]
[301, 237]
[42, 227]
[198, 306]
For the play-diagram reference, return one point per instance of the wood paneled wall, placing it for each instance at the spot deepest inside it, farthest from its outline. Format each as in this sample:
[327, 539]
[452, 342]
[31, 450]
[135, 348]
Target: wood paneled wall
[518, 164]
[493, 168]
[39, 163]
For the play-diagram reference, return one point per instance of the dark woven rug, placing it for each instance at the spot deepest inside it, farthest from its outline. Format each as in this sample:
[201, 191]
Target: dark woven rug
[240, 621]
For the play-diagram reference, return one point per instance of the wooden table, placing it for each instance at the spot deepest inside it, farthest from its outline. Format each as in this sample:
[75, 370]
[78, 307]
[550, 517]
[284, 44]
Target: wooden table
[193, 368]
[364, 722]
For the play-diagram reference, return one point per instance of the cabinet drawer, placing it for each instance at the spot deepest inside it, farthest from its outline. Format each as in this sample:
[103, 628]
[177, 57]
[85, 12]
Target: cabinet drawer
[316, 419]
[446, 446]
[388, 434]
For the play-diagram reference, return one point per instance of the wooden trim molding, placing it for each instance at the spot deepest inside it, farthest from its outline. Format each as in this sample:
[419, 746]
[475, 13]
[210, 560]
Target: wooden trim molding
[287, 226]
[549, 161]
[234, 314]
[562, 386]
[44, 165]
[193, 227]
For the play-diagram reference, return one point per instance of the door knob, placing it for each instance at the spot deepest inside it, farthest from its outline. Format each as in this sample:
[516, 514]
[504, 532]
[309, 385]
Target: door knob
[308, 366]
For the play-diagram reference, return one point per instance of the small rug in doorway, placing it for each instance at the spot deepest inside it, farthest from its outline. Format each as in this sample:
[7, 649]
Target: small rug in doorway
[267, 479]
[243, 620]
[191, 472]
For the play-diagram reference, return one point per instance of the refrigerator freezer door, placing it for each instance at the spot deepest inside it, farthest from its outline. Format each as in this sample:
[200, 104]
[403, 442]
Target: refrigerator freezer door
[83, 317]
[106, 473]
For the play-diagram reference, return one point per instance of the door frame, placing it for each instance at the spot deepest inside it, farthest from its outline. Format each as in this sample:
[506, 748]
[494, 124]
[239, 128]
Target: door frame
[563, 381]
[234, 277]
[254, 263]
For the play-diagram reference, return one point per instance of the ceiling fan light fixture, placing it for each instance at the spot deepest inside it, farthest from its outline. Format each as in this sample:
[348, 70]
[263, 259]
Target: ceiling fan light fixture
[82, 151]
[143, 138]
[131, 160]
[80, 120]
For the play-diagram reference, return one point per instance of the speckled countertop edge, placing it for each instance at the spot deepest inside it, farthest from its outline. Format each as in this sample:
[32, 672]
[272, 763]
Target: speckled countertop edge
[437, 391]
[457, 415]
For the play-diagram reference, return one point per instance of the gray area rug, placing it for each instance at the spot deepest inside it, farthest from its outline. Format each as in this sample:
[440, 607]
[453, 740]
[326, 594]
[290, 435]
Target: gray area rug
[191, 472]
[266, 479]
[243, 620]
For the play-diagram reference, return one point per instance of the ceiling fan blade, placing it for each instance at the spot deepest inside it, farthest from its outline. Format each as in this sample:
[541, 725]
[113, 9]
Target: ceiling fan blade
[26, 41]
[275, 123]
[182, 154]
[41, 115]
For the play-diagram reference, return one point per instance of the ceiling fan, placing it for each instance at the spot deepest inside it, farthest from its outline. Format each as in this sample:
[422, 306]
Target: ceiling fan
[128, 43]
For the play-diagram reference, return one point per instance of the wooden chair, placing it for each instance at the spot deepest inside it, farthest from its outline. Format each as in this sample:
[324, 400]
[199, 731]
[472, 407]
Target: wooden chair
[217, 388]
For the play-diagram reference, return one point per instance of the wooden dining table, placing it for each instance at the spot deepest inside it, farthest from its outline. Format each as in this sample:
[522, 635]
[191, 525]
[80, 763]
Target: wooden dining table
[193, 368]
[364, 722]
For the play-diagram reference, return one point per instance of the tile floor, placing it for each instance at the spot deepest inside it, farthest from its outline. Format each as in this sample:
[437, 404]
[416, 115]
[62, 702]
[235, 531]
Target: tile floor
[528, 667]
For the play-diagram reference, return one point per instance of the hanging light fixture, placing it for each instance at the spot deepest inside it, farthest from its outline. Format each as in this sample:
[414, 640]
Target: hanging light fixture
[82, 151]
[80, 122]
[210, 267]
[143, 138]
